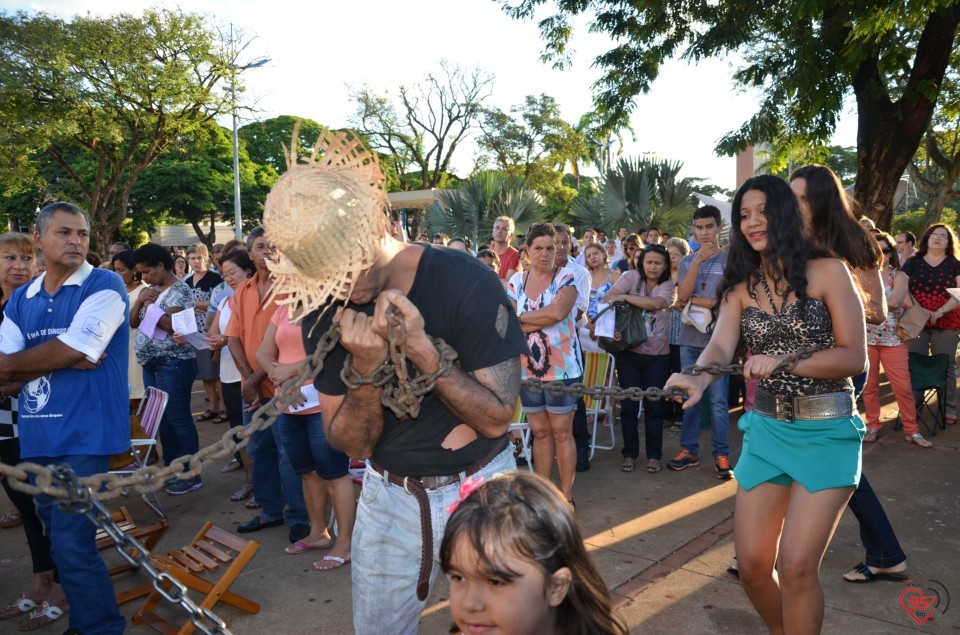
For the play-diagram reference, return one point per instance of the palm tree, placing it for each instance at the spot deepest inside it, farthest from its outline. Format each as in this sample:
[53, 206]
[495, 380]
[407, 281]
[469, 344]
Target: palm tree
[639, 193]
[471, 209]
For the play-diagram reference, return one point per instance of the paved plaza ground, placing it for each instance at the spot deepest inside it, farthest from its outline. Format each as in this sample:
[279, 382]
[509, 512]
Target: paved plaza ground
[660, 541]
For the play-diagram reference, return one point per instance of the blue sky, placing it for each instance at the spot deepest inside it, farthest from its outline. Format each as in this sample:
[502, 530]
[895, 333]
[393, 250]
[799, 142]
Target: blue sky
[318, 50]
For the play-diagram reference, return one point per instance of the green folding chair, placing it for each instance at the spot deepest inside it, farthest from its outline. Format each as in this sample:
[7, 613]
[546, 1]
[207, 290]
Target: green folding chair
[928, 378]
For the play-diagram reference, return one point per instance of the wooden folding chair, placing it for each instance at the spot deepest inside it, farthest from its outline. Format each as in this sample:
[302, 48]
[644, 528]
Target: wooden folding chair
[212, 549]
[148, 535]
[151, 411]
[598, 370]
[520, 426]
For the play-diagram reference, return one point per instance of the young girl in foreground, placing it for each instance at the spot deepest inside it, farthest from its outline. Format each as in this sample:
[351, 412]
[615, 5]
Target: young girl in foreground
[801, 442]
[517, 563]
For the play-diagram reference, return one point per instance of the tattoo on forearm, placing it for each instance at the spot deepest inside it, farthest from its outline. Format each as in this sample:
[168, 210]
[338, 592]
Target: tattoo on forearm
[503, 380]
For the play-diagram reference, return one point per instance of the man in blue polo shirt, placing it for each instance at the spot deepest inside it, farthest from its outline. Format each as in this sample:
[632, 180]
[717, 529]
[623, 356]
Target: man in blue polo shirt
[66, 337]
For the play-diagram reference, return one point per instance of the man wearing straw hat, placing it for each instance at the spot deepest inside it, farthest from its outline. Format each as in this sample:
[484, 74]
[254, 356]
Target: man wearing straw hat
[326, 216]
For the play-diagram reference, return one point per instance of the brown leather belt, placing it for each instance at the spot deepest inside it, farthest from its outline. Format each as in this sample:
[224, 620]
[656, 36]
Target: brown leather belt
[418, 486]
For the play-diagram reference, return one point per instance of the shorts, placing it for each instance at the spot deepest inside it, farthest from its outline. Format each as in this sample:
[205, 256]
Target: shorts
[206, 369]
[544, 401]
[818, 454]
[307, 448]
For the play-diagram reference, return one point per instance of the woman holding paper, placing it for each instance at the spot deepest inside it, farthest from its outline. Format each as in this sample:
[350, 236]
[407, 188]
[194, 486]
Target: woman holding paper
[167, 365]
[322, 468]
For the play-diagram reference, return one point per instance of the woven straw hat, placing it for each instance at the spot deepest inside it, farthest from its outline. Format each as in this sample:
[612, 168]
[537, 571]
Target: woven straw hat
[325, 216]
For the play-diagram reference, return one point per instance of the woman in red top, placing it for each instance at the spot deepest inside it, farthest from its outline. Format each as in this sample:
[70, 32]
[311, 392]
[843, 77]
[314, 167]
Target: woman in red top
[931, 271]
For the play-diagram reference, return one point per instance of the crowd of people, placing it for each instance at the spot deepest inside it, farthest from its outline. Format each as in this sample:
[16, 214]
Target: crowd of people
[440, 493]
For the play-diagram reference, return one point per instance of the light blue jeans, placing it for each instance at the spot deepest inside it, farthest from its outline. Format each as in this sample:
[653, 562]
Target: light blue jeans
[386, 550]
[719, 412]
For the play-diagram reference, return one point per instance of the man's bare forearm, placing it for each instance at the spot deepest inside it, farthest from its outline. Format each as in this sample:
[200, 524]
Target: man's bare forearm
[28, 364]
[486, 399]
[358, 424]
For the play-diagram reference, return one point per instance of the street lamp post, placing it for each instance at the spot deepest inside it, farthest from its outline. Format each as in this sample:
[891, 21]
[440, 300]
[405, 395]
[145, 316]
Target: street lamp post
[238, 224]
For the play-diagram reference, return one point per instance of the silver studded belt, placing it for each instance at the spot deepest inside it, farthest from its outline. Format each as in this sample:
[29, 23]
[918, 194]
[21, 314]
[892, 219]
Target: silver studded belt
[831, 405]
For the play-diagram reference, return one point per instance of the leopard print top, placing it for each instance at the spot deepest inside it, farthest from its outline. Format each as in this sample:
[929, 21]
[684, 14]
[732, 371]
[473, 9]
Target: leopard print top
[799, 326]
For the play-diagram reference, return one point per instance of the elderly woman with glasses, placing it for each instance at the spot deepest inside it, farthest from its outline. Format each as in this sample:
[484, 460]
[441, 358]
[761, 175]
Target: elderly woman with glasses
[647, 286]
[930, 272]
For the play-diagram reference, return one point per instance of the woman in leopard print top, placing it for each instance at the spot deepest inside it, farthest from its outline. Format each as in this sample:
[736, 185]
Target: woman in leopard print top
[782, 295]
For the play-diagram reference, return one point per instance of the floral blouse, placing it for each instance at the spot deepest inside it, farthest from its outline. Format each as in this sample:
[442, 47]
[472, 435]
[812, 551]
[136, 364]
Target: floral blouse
[554, 350]
[885, 334]
[147, 348]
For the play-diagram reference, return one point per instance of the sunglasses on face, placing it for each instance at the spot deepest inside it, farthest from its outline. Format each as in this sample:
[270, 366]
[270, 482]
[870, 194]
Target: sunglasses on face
[887, 251]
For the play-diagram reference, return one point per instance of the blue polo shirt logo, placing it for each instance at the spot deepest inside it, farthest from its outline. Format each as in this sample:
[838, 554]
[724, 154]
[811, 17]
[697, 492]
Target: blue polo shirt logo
[36, 394]
[94, 328]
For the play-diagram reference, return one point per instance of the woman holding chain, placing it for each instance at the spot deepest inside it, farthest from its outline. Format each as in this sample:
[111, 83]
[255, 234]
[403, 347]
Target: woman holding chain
[801, 444]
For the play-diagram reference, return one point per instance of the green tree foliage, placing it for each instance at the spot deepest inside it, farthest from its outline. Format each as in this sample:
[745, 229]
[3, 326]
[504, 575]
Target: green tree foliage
[781, 159]
[471, 209]
[192, 182]
[806, 58]
[915, 221]
[533, 142]
[102, 99]
[639, 193]
[266, 139]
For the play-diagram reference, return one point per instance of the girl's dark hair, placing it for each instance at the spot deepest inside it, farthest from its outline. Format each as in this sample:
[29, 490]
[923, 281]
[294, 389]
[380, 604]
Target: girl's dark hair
[894, 261]
[833, 224]
[126, 257]
[152, 255]
[661, 251]
[240, 258]
[523, 514]
[952, 249]
[787, 253]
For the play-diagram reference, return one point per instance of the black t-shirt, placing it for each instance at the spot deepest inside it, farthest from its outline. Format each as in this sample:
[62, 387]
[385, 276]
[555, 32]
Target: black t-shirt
[460, 299]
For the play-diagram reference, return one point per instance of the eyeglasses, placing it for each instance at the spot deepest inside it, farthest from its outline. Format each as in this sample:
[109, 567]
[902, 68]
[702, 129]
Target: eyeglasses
[940, 236]
[887, 251]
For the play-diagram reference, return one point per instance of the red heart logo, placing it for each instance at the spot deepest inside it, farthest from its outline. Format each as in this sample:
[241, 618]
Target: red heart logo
[917, 605]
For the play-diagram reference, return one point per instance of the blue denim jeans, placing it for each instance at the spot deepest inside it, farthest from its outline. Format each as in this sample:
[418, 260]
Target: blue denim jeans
[386, 550]
[275, 484]
[178, 432]
[93, 609]
[304, 441]
[719, 415]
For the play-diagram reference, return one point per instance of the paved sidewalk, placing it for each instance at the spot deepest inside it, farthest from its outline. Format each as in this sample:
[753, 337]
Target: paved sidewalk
[661, 542]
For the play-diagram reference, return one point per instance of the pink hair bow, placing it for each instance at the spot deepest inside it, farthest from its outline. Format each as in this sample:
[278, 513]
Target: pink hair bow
[467, 488]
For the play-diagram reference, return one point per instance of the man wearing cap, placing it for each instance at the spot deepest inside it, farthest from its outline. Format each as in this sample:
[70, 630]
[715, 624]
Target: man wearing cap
[415, 466]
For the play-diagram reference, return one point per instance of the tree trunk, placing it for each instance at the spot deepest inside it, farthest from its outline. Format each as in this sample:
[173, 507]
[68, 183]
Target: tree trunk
[889, 133]
[936, 201]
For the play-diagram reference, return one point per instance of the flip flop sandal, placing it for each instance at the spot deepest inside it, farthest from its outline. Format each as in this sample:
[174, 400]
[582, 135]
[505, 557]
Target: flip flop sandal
[252, 503]
[221, 417]
[41, 616]
[242, 494]
[654, 466]
[870, 576]
[207, 415]
[301, 547]
[11, 519]
[18, 608]
[628, 465]
[232, 466]
[336, 560]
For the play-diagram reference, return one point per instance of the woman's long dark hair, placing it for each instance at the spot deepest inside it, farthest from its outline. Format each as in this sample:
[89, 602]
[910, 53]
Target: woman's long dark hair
[833, 224]
[787, 252]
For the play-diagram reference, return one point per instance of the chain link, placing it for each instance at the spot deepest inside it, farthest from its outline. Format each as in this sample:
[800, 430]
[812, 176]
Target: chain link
[84, 495]
[79, 499]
